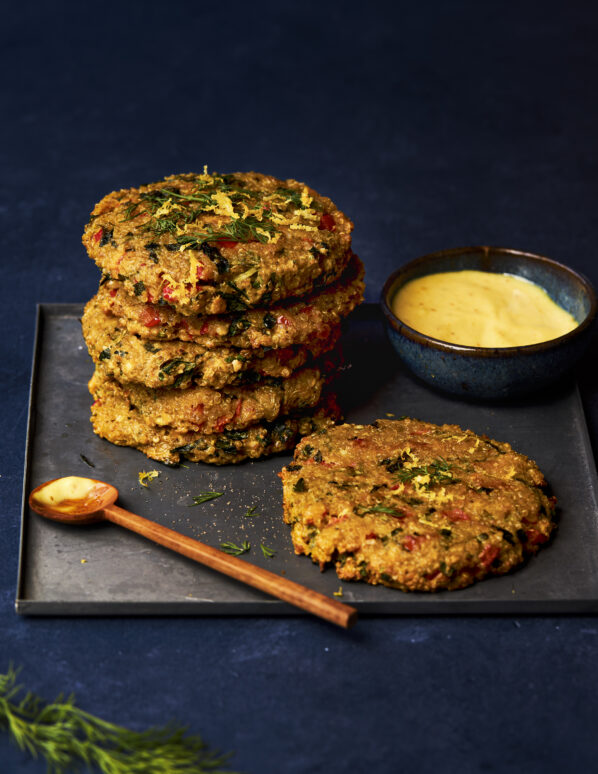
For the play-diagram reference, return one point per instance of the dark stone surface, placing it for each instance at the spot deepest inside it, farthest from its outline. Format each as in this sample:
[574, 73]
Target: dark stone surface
[433, 125]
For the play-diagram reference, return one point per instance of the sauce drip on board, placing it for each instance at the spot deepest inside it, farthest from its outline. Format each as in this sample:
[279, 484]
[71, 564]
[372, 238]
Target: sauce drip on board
[481, 309]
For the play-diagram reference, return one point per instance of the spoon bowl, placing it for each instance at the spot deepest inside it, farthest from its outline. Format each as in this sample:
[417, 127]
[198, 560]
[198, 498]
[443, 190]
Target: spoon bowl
[75, 500]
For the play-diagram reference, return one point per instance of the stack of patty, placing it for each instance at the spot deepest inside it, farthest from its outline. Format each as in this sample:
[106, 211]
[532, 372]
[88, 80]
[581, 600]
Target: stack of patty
[214, 327]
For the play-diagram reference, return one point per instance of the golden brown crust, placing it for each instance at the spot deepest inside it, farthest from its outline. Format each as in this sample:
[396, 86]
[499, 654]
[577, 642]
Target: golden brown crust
[213, 244]
[171, 363]
[212, 411]
[296, 323]
[414, 505]
[114, 419]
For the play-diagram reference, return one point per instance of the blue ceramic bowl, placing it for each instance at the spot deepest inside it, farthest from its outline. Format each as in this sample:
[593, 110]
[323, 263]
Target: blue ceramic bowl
[485, 373]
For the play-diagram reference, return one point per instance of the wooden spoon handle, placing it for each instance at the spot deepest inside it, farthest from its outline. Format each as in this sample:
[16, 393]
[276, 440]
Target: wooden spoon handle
[287, 590]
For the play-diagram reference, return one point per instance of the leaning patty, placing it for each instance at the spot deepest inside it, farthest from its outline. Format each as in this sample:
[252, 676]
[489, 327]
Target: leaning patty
[214, 243]
[115, 419]
[211, 411]
[171, 363]
[295, 323]
[414, 505]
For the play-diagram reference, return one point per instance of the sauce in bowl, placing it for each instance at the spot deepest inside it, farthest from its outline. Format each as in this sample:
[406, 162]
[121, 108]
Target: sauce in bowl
[481, 309]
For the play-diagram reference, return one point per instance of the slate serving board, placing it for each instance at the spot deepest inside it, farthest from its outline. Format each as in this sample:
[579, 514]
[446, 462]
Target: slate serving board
[103, 569]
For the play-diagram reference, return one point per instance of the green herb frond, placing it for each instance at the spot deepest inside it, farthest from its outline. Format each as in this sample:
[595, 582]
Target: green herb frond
[204, 497]
[439, 472]
[235, 550]
[67, 736]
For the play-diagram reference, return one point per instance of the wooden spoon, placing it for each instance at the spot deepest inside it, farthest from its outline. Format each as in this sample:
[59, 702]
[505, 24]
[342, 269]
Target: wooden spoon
[75, 500]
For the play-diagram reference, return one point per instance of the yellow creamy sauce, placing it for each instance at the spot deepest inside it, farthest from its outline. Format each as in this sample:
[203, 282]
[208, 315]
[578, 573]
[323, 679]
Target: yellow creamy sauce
[64, 493]
[481, 309]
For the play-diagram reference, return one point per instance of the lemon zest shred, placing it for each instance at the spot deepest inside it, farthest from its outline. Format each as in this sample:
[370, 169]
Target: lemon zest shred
[193, 265]
[166, 208]
[177, 287]
[309, 214]
[302, 227]
[306, 199]
[145, 476]
[224, 205]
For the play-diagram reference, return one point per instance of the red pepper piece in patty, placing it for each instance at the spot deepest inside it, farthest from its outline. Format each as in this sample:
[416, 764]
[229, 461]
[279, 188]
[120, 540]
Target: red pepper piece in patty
[488, 555]
[327, 223]
[411, 542]
[149, 317]
[535, 537]
[220, 424]
[337, 519]
[456, 514]
[168, 292]
[98, 235]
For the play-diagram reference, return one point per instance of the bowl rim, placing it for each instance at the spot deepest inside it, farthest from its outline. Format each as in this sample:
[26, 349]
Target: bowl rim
[463, 349]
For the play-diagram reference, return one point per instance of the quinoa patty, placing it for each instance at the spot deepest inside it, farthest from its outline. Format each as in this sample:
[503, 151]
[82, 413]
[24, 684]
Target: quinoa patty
[213, 244]
[414, 505]
[292, 324]
[212, 411]
[128, 358]
[114, 419]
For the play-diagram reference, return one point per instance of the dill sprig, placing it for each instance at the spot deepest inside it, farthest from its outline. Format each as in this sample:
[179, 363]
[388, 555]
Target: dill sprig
[188, 207]
[235, 550]
[67, 737]
[204, 497]
[292, 196]
[439, 472]
[267, 552]
[248, 229]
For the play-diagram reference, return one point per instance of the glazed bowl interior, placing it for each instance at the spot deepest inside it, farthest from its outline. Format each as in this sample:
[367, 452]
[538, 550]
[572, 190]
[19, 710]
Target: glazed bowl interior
[500, 372]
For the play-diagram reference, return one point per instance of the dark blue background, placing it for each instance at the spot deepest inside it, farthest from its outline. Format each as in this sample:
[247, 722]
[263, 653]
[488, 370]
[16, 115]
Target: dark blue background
[432, 124]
